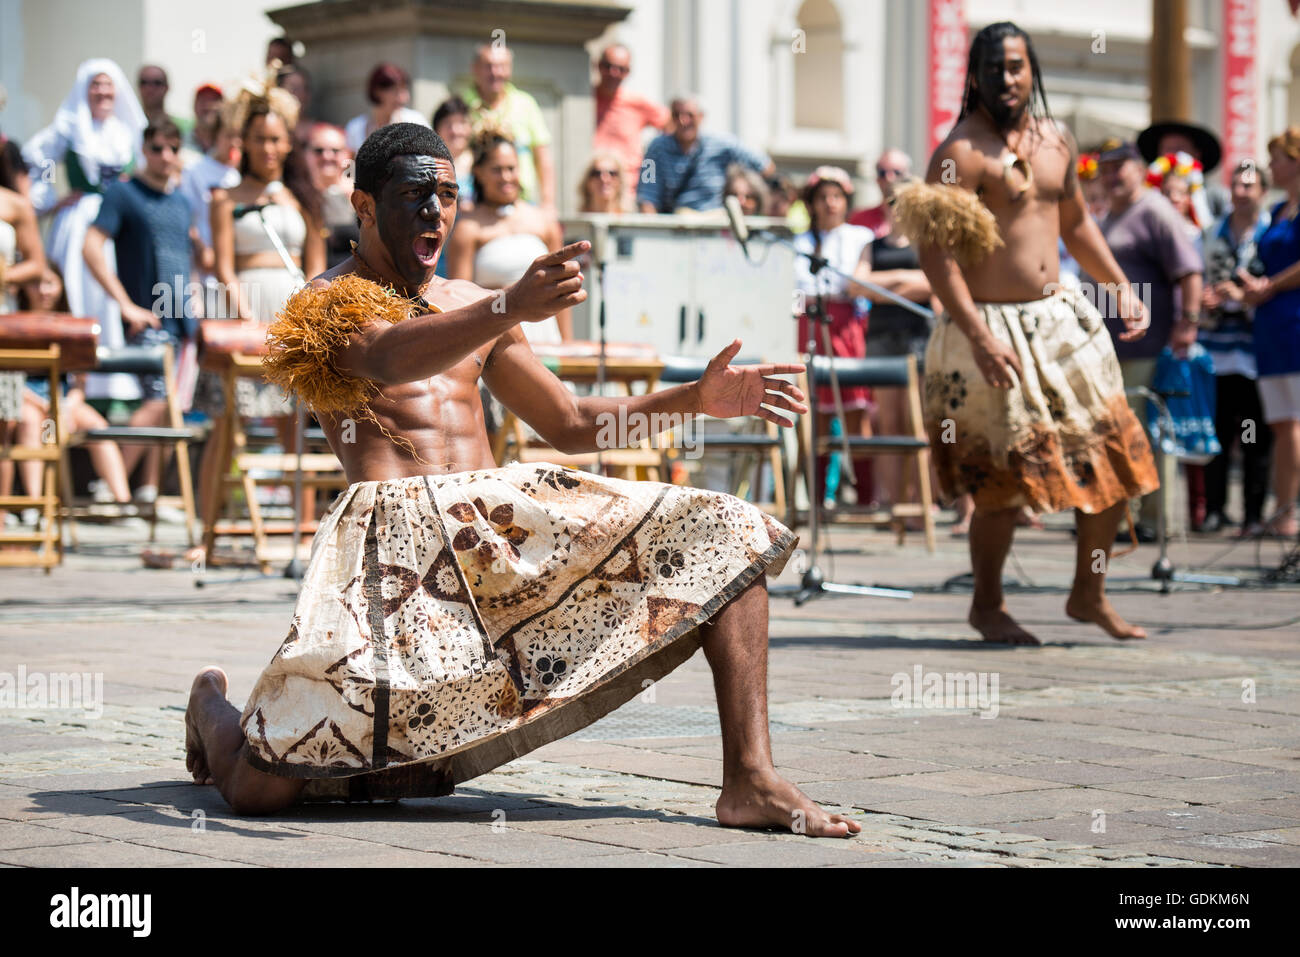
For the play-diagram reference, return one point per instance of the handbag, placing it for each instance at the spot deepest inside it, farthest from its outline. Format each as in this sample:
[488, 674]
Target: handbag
[1187, 386]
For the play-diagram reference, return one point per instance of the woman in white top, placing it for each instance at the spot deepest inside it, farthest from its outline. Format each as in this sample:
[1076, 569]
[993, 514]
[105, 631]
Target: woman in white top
[501, 236]
[827, 195]
[96, 136]
[389, 89]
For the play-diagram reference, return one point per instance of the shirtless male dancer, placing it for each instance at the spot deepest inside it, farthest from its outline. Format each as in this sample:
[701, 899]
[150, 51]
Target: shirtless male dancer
[1023, 398]
[428, 368]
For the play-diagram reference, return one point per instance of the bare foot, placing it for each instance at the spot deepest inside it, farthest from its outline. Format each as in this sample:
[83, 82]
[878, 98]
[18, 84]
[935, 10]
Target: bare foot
[767, 800]
[1102, 613]
[995, 625]
[210, 681]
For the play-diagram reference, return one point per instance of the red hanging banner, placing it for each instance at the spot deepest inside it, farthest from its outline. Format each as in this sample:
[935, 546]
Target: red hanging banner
[1240, 92]
[949, 49]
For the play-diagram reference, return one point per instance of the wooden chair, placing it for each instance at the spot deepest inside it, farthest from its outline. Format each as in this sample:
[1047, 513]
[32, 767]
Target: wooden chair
[884, 372]
[49, 537]
[757, 439]
[141, 360]
[239, 466]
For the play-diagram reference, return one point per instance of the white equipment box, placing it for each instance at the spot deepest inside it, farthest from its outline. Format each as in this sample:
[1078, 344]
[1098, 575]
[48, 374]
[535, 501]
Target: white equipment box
[684, 286]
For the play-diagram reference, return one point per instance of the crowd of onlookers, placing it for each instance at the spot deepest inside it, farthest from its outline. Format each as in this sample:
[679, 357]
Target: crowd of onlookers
[229, 208]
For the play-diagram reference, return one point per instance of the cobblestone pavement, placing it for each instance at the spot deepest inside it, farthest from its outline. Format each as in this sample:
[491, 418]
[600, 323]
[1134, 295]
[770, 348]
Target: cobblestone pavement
[1183, 750]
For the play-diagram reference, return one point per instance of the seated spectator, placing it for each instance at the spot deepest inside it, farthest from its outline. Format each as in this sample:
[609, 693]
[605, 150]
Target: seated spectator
[501, 235]
[389, 89]
[604, 188]
[748, 187]
[687, 169]
[149, 226]
[207, 118]
[216, 169]
[784, 202]
[280, 48]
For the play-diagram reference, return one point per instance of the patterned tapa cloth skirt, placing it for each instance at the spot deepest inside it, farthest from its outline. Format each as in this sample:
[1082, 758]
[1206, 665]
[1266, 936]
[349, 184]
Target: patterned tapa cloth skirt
[1062, 437]
[448, 624]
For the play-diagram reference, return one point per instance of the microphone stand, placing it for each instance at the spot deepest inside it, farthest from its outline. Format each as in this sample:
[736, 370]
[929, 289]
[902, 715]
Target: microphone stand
[814, 583]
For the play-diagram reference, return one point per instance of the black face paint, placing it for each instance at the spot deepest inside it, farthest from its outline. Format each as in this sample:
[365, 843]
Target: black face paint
[992, 85]
[419, 198]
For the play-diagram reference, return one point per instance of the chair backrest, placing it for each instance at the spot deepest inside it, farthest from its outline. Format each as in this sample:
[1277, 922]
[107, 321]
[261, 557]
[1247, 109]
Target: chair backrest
[138, 360]
[879, 371]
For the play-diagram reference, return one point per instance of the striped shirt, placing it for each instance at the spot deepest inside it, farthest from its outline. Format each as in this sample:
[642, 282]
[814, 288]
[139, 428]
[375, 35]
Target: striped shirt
[665, 165]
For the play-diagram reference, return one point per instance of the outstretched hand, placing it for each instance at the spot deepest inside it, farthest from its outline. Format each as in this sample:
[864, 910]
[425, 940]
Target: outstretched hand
[728, 391]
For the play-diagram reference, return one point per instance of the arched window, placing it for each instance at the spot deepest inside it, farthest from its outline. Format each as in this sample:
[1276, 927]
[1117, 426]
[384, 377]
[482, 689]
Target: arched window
[819, 68]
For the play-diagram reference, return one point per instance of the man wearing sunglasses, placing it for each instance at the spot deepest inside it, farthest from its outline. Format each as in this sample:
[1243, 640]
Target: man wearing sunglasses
[892, 169]
[145, 224]
[621, 117]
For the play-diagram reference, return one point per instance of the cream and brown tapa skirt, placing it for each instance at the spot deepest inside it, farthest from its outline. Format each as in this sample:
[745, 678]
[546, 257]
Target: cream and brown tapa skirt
[448, 624]
[1062, 437]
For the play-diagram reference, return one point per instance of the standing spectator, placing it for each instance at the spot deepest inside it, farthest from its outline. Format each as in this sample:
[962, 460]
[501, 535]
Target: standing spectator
[1228, 335]
[327, 161]
[153, 86]
[216, 169]
[1276, 298]
[494, 99]
[451, 122]
[622, 117]
[1173, 137]
[207, 118]
[748, 187]
[389, 90]
[891, 261]
[604, 187]
[784, 202]
[827, 196]
[280, 48]
[687, 169]
[298, 82]
[95, 134]
[495, 243]
[149, 224]
[893, 167]
[1149, 241]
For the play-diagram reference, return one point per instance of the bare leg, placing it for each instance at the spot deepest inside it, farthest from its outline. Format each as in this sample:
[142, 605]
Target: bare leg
[965, 508]
[990, 542]
[1286, 475]
[216, 752]
[152, 413]
[1088, 601]
[753, 793]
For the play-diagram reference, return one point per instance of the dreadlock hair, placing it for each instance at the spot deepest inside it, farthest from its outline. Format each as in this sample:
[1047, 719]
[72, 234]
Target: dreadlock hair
[987, 42]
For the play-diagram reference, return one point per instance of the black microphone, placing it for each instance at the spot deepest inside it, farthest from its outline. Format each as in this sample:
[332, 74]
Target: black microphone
[243, 209]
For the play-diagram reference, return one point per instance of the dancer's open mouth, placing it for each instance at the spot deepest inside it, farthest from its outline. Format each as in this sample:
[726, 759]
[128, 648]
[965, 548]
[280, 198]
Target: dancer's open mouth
[426, 248]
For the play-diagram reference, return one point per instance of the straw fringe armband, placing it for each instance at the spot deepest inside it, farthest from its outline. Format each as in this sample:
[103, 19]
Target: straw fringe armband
[948, 217]
[312, 330]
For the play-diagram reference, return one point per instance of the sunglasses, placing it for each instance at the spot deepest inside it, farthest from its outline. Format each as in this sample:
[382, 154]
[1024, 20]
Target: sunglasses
[152, 82]
[602, 173]
[611, 68]
[156, 148]
[326, 151]
[884, 173]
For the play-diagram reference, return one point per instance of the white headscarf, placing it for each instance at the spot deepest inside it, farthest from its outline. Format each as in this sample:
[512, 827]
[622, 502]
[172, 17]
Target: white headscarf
[117, 139]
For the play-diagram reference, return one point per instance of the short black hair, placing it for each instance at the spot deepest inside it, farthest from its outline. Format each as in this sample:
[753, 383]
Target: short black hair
[374, 159]
[164, 126]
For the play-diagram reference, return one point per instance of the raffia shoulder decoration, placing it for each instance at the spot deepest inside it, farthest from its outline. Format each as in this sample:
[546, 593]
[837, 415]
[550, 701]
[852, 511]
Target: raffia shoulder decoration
[948, 217]
[311, 331]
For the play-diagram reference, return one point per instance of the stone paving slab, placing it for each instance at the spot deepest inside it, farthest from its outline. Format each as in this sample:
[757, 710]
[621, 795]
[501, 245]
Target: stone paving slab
[1156, 735]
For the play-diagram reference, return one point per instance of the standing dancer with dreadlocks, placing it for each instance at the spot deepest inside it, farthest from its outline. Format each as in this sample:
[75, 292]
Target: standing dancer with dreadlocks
[1024, 401]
